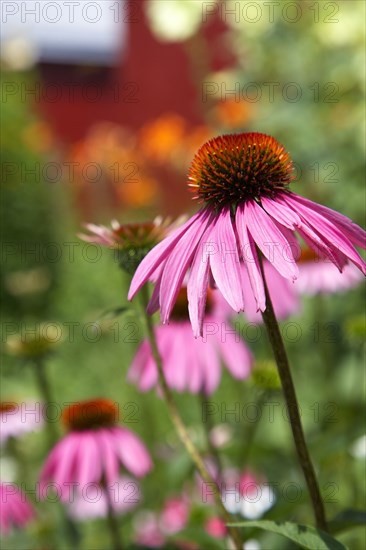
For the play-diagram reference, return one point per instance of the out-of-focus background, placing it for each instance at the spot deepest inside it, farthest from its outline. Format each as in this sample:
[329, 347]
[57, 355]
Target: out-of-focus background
[103, 107]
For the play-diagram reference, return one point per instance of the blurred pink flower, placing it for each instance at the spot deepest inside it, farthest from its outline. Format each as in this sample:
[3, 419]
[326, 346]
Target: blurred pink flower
[93, 450]
[17, 419]
[148, 531]
[124, 495]
[216, 528]
[151, 529]
[174, 516]
[192, 364]
[243, 181]
[320, 276]
[15, 510]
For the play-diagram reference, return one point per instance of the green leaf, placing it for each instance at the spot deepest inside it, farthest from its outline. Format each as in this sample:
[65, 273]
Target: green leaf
[347, 519]
[304, 535]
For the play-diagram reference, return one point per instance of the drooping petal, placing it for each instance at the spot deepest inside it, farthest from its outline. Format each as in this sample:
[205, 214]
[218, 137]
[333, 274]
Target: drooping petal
[108, 454]
[66, 463]
[236, 355]
[178, 262]
[250, 258]
[197, 286]
[268, 237]
[157, 255]
[280, 212]
[310, 236]
[90, 469]
[132, 452]
[224, 262]
[329, 231]
[354, 232]
[209, 361]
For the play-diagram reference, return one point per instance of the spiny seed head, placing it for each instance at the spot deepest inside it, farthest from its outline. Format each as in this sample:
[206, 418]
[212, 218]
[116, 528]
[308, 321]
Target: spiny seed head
[90, 415]
[230, 169]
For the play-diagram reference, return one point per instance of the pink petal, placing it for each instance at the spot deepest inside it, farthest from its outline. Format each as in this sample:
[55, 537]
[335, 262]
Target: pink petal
[236, 355]
[329, 231]
[280, 212]
[157, 255]
[197, 287]
[90, 467]
[251, 259]
[354, 232]
[132, 452]
[265, 232]
[178, 263]
[225, 265]
[108, 454]
[209, 363]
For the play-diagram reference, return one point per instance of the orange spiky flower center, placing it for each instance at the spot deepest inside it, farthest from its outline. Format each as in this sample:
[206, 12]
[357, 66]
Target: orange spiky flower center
[230, 169]
[308, 255]
[90, 415]
[180, 309]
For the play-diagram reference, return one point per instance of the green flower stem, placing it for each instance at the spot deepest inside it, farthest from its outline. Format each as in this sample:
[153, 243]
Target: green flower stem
[45, 391]
[180, 426]
[288, 387]
[112, 522]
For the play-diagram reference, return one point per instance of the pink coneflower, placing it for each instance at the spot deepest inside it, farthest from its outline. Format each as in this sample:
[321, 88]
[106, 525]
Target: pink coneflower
[243, 182]
[192, 364]
[148, 531]
[15, 510]
[320, 276]
[93, 450]
[17, 419]
[130, 241]
[152, 529]
[174, 516]
[124, 495]
[216, 528]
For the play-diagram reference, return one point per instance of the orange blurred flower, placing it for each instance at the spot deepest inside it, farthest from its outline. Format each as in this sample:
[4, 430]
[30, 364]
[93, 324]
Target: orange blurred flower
[160, 138]
[232, 114]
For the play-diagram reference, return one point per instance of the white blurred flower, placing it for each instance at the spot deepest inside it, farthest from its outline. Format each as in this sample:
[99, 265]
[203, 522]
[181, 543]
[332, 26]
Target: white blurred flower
[174, 21]
[18, 53]
[251, 544]
[358, 449]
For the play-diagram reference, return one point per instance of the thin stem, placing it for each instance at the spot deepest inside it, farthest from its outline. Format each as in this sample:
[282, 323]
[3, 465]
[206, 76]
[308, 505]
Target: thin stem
[181, 428]
[288, 387]
[112, 522]
[45, 391]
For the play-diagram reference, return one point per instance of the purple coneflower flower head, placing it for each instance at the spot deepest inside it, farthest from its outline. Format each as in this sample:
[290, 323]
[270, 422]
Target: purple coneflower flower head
[15, 509]
[191, 364]
[94, 450]
[243, 182]
[17, 419]
[131, 242]
[175, 514]
[318, 275]
[124, 495]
